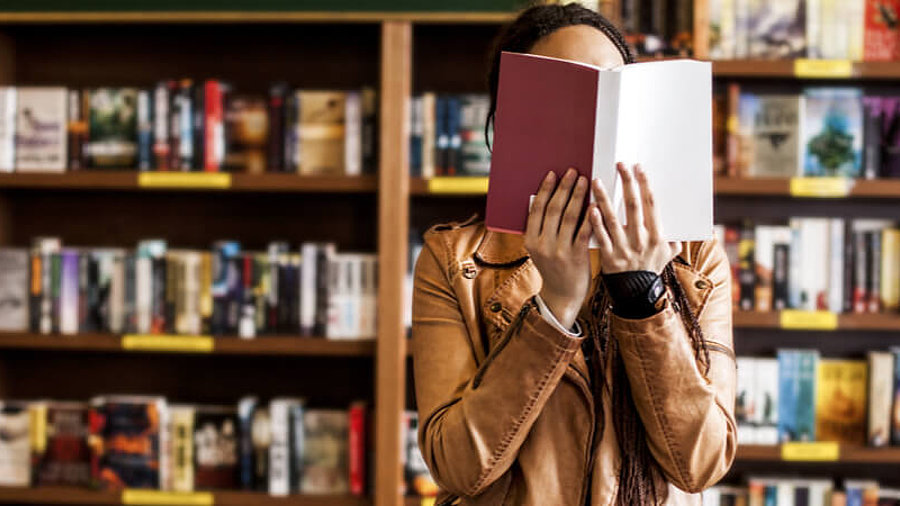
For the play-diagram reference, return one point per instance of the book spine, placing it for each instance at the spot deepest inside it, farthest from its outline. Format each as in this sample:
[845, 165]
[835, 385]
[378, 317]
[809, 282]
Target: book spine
[182, 420]
[117, 296]
[275, 153]
[780, 268]
[324, 263]
[788, 371]
[353, 136]
[308, 291]
[161, 123]
[129, 308]
[454, 114]
[806, 395]
[279, 451]
[872, 137]
[145, 131]
[198, 126]
[176, 111]
[213, 126]
[172, 309]
[68, 293]
[747, 276]
[357, 449]
[298, 445]
[849, 267]
[247, 321]
[880, 38]
[836, 265]
[881, 372]
[158, 295]
[77, 131]
[7, 128]
[860, 281]
[813, 28]
[416, 128]
[443, 136]
[741, 28]
[429, 135]
[291, 132]
[732, 129]
[246, 466]
[890, 269]
[370, 131]
[186, 125]
[873, 293]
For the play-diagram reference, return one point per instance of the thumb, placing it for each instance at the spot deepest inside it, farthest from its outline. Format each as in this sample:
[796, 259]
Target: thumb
[675, 249]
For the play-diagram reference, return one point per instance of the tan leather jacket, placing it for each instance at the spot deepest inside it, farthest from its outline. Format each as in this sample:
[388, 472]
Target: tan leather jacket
[508, 417]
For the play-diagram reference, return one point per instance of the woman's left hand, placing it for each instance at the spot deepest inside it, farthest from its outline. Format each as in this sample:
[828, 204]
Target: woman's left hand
[639, 245]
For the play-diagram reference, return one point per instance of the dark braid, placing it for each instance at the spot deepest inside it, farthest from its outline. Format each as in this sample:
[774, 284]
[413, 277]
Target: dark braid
[640, 479]
[535, 23]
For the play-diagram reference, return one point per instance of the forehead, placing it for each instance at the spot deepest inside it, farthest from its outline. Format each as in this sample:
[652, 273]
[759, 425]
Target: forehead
[580, 43]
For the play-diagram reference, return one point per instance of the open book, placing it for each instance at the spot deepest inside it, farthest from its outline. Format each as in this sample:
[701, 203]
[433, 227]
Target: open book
[554, 114]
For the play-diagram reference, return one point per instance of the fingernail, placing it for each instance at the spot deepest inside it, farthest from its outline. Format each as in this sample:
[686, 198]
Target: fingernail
[550, 176]
[571, 173]
[581, 180]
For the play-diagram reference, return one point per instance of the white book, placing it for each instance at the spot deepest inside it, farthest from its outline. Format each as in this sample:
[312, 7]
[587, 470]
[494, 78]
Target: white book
[766, 400]
[881, 382]
[334, 327]
[117, 295]
[745, 410]
[143, 293]
[836, 265]
[429, 127]
[68, 292]
[15, 448]
[7, 128]
[280, 448]
[813, 28]
[795, 261]
[41, 129]
[856, 21]
[835, 32]
[353, 118]
[308, 272]
[14, 296]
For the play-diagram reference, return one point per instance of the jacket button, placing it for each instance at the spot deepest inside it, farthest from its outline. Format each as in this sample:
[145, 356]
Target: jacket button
[469, 270]
[496, 307]
[700, 284]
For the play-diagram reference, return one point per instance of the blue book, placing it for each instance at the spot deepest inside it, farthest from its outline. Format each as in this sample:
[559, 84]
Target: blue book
[806, 395]
[454, 123]
[415, 136]
[443, 138]
[788, 384]
[771, 498]
[833, 132]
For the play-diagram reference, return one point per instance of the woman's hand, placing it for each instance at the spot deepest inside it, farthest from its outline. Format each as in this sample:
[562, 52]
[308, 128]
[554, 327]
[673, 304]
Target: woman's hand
[558, 246]
[639, 245]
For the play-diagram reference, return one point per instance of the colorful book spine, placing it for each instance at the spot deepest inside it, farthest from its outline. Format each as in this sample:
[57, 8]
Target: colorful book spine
[357, 447]
[213, 126]
[144, 131]
[881, 37]
[161, 124]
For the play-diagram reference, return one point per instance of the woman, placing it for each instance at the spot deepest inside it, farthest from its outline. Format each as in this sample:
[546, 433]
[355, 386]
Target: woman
[546, 374]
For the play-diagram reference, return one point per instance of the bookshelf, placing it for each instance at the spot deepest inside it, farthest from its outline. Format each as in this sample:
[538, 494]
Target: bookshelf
[74, 495]
[398, 51]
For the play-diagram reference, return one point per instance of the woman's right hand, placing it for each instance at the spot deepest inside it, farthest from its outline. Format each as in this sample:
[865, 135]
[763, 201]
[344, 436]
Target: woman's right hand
[559, 246]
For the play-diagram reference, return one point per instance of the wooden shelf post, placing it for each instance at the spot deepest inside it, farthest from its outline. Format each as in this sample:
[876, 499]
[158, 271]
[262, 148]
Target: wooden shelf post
[393, 223]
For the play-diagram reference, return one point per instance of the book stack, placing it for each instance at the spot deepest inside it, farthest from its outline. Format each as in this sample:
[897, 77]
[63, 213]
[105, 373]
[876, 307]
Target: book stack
[154, 289]
[799, 396]
[814, 264]
[447, 135]
[183, 125]
[791, 491]
[861, 30]
[116, 442]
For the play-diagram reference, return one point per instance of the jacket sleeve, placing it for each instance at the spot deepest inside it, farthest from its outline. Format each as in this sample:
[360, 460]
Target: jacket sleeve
[689, 415]
[473, 419]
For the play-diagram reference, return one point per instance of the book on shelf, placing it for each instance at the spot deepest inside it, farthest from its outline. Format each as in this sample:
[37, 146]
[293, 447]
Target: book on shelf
[538, 129]
[880, 390]
[155, 289]
[656, 28]
[112, 128]
[40, 129]
[447, 135]
[7, 128]
[15, 448]
[215, 447]
[841, 388]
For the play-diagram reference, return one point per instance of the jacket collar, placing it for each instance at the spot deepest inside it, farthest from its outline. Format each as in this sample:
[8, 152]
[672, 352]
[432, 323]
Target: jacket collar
[498, 249]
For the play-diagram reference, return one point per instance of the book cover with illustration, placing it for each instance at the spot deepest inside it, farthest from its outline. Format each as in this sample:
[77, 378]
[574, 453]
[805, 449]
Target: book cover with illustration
[776, 127]
[125, 442]
[841, 401]
[247, 134]
[14, 295]
[41, 129]
[321, 132]
[777, 29]
[882, 37]
[881, 385]
[63, 456]
[112, 128]
[15, 447]
[215, 447]
[325, 452]
[475, 156]
[832, 134]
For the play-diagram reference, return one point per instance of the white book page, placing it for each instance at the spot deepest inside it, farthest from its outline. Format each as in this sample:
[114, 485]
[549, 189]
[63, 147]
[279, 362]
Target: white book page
[665, 124]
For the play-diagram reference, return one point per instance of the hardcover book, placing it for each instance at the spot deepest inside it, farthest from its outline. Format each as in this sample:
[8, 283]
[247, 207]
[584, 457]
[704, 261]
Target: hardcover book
[14, 297]
[215, 448]
[841, 401]
[778, 29]
[40, 129]
[808, 361]
[833, 132]
[882, 38]
[247, 132]
[895, 410]
[15, 448]
[745, 400]
[181, 418]
[112, 128]
[776, 126]
[325, 452]
[7, 128]
[540, 129]
[881, 384]
[321, 132]
[475, 156]
[766, 400]
[63, 456]
[125, 441]
[282, 468]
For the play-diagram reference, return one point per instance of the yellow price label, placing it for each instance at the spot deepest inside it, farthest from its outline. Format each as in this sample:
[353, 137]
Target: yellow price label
[808, 320]
[821, 187]
[159, 497]
[428, 501]
[823, 69]
[458, 185]
[168, 343]
[819, 451]
[187, 180]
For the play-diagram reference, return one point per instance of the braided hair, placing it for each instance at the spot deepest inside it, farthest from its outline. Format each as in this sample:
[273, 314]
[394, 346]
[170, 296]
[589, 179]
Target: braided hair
[640, 478]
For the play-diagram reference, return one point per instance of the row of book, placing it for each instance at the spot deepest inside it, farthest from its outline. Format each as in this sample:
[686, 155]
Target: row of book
[784, 491]
[154, 289]
[767, 29]
[799, 396]
[828, 264]
[188, 126]
[821, 132]
[658, 27]
[114, 442]
[447, 135]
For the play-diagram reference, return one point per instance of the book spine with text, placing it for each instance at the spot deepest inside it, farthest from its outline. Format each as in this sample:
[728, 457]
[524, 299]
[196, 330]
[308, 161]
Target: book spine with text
[213, 126]
[357, 448]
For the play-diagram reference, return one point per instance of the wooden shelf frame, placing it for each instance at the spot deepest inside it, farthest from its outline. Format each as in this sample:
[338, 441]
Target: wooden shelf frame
[80, 495]
[848, 454]
[887, 322]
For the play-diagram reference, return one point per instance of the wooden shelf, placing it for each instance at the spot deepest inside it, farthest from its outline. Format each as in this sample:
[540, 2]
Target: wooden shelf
[262, 346]
[849, 321]
[254, 17]
[782, 69]
[128, 180]
[78, 495]
[848, 454]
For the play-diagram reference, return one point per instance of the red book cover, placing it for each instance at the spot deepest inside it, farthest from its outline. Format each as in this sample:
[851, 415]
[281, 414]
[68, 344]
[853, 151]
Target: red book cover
[357, 449]
[882, 38]
[212, 126]
[541, 104]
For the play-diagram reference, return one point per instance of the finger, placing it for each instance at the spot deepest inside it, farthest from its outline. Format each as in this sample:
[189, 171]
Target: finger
[609, 222]
[536, 213]
[635, 227]
[582, 239]
[573, 210]
[600, 232]
[558, 204]
[675, 248]
[651, 213]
